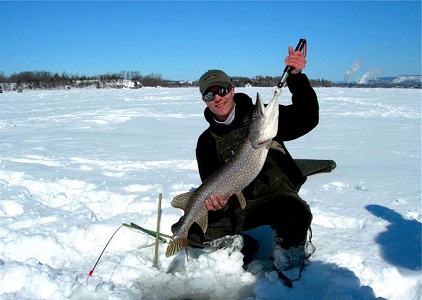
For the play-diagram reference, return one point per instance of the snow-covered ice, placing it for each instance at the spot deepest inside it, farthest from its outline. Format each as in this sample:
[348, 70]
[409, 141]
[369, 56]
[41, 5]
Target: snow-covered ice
[77, 164]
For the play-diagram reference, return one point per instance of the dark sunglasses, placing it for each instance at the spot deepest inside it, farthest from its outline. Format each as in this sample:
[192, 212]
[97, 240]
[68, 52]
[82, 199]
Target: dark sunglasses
[221, 91]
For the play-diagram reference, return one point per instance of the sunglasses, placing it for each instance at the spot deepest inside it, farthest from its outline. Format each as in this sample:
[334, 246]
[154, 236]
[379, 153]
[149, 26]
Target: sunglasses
[221, 91]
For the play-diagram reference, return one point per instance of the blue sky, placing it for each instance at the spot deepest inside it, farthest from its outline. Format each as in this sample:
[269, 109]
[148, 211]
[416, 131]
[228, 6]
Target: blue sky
[182, 39]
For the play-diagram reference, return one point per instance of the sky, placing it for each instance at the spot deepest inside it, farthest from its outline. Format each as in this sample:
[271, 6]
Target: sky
[180, 40]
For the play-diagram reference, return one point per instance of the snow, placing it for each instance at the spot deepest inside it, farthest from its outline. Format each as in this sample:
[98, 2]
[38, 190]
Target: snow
[77, 164]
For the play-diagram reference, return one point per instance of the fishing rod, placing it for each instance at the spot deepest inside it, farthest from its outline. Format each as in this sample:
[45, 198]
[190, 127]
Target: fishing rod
[160, 236]
[300, 47]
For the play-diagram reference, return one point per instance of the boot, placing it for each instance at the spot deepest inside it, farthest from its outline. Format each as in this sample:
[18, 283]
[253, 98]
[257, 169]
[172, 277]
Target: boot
[288, 258]
[247, 245]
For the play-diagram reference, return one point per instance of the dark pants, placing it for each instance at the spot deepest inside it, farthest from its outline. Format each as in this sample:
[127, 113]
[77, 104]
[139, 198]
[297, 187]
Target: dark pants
[288, 215]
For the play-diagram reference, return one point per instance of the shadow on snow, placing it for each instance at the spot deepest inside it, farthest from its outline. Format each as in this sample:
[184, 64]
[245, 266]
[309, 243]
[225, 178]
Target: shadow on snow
[401, 243]
[319, 281]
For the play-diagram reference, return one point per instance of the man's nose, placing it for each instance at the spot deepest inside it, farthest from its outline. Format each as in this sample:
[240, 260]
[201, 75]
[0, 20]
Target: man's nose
[217, 97]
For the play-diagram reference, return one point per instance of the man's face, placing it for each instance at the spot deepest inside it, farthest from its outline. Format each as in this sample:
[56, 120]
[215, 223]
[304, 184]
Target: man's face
[221, 106]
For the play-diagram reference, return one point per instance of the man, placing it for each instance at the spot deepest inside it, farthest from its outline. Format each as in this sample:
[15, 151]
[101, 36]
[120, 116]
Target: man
[272, 198]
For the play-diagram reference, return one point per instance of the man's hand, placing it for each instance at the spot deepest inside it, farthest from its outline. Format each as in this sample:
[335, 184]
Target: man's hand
[296, 60]
[217, 202]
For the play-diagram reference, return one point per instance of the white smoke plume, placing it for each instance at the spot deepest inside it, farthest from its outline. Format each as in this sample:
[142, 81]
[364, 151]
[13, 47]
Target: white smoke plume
[372, 74]
[354, 68]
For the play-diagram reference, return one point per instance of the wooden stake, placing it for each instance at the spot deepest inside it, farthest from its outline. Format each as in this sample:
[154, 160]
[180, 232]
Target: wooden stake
[157, 233]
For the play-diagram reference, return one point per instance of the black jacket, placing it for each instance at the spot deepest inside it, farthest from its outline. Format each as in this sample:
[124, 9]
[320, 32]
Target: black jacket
[295, 120]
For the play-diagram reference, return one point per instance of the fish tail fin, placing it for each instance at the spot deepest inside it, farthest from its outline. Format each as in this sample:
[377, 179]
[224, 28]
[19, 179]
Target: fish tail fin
[176, 244]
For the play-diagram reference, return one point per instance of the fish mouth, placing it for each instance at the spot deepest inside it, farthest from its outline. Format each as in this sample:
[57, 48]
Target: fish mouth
[265, 125]
[262, 144]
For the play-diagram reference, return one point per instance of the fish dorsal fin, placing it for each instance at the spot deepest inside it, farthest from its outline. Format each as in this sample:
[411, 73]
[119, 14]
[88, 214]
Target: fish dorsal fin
[241, 199]
[203, 223]
[181, 200]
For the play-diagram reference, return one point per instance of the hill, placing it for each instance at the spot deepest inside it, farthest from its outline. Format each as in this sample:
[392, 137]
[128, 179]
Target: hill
[401, 81]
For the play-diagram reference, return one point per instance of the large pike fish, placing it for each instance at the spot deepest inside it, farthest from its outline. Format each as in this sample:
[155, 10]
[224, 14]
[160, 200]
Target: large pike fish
[233, 176]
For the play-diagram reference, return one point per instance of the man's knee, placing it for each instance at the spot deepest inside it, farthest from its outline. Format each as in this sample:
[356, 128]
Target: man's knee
[293, 227]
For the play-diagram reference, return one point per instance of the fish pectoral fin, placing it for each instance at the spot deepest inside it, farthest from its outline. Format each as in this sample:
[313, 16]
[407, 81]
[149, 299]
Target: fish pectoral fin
[203, 223]
[181, 200]
[277, 146]
[241, 199]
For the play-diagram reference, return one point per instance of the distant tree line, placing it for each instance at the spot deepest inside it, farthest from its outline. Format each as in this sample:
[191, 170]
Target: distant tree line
[269, 81]
[49, 80]
[133, 79]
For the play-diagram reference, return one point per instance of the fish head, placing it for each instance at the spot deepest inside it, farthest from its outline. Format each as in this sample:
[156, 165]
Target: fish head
[264, 123]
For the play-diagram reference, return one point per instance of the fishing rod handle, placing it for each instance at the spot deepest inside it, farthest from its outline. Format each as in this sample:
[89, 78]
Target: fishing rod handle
[287, 69]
